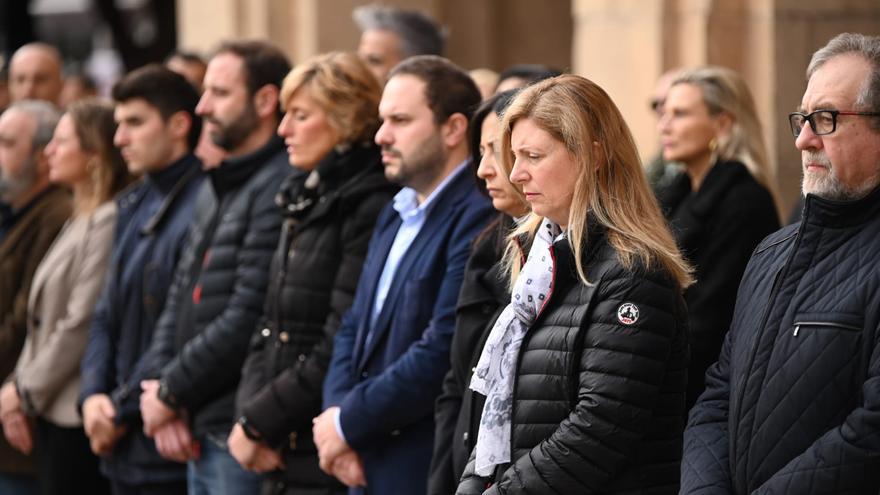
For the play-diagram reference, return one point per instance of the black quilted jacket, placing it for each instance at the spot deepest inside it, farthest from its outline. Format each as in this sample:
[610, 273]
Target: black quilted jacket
[219, 286]
[793, 405]
[598, 403]
[313, 277]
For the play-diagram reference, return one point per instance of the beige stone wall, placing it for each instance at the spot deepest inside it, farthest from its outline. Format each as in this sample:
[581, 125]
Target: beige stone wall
[482, 33]
[624, 45]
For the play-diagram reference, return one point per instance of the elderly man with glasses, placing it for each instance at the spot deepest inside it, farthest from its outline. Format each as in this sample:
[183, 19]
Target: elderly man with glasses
[793, 404]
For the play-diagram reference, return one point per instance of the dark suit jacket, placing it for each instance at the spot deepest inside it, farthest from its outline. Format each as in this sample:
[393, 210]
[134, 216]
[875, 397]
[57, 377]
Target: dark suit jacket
[386, 388]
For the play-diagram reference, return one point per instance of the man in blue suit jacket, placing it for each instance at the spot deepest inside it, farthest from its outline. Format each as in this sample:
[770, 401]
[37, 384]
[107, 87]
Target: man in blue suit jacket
[392, 348]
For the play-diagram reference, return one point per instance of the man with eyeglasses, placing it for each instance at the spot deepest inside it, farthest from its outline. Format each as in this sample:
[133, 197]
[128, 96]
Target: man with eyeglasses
[793, 404]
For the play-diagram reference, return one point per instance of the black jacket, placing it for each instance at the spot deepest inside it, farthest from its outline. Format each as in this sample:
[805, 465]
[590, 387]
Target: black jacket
[457, 413]
[716, 228]
[793, 404]
[326, 231]
[598, 404]
[216, 299]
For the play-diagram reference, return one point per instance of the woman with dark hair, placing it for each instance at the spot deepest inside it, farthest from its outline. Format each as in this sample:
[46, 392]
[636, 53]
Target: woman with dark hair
[330, 205]
[584, 369]
[483, 294]
[45, 383]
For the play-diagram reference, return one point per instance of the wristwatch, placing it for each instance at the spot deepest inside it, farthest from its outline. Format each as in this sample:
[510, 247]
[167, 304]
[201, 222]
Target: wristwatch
[249, 430]
[166, 396]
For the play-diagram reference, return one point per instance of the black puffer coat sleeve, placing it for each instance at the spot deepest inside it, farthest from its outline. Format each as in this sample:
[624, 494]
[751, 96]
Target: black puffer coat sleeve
[621, 372]
[705, 466]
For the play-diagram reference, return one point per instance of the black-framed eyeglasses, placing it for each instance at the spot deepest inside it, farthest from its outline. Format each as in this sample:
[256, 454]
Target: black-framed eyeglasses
[822, 122]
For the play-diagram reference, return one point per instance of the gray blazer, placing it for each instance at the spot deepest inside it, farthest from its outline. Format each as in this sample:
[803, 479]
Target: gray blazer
[62, 299]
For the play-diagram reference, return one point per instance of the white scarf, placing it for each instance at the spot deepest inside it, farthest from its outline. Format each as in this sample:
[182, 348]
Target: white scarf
[495, 371]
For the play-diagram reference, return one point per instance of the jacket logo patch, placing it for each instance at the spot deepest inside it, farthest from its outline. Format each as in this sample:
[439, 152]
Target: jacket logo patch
[628, 313]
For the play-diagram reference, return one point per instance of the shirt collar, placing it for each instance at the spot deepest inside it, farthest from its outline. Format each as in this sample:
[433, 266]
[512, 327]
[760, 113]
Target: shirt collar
[406, 201]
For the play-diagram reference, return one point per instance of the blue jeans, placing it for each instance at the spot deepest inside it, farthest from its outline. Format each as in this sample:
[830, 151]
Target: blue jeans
[14, 484]
[216, 472]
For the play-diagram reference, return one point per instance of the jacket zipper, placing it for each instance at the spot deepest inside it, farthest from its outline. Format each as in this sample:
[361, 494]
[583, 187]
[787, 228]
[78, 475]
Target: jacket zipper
[842, 326]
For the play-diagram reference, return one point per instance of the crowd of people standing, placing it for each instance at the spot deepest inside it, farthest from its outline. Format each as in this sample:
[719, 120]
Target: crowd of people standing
[365, 273]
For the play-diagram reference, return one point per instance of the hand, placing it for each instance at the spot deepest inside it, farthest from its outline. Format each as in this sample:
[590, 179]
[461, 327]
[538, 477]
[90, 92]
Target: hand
[174, 441]
[98, 421]
[17, 430]
[10, 401]
[16, 425]
[330, 444]
[253, 456]
[153, 411]
[349, 469]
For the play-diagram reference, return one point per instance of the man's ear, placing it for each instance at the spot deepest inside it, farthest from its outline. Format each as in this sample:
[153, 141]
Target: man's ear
[454, 130]
[266, 100]
[180, 123]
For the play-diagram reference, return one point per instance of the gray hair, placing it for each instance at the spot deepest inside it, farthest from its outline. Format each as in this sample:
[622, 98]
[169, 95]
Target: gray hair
[419, 33]
[44, 114]
[868, 47]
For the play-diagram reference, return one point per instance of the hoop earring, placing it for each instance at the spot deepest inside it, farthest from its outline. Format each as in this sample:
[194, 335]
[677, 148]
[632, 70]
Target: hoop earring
[713, 145]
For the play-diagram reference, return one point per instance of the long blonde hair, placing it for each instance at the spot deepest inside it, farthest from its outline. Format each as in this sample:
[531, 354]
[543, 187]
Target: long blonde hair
[725, 91]
[611, 186]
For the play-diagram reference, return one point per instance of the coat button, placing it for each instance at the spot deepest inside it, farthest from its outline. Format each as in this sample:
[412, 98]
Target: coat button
[395, 433]
[284, 337]
[365, 374]
[301, 357]
[266, 332]
[464, 437]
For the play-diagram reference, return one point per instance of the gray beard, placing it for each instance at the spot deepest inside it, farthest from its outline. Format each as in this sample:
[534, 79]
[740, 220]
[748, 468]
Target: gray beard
[11, 188]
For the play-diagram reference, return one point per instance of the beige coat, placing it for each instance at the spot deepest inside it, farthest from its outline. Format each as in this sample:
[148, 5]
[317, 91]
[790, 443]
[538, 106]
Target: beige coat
[60, 306]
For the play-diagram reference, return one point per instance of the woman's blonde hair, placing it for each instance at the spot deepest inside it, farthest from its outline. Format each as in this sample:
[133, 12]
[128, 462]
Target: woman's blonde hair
[725, 91]
[342, 85]
[94, 127]
[611, 186]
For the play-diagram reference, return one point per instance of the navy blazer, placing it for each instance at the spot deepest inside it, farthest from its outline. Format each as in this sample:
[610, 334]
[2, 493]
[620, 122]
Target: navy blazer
[386, 389]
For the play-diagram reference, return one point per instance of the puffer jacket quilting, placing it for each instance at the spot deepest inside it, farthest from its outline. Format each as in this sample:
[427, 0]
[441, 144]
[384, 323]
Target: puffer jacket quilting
[599, 405]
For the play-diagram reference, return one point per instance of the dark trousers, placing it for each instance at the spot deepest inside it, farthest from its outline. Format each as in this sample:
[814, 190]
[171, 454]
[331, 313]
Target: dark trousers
[174, 488]
[65, 463]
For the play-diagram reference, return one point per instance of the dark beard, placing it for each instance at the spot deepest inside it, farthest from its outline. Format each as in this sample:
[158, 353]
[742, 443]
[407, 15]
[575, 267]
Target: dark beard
[230, 137]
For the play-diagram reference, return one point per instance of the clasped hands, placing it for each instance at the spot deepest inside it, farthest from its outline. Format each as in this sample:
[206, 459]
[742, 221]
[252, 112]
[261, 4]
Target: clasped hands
[17, 426]
[165, 426]
[337, 458]
[99, 415]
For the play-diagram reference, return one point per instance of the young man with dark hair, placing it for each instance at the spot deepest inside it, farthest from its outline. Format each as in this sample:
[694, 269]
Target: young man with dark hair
[157, 129]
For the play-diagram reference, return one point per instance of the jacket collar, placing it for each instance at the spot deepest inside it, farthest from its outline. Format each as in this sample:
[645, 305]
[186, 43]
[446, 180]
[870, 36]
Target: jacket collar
[235, 171]
[829, 213]
[715, 186]
[165, 179]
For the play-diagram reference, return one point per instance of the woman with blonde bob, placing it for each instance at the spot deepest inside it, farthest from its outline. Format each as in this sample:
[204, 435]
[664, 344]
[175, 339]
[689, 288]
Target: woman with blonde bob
[330, 204]
[66, 285]
[721, 208]
[584, 371]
